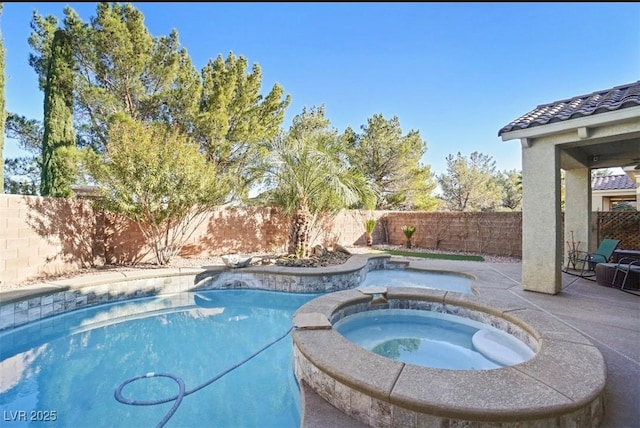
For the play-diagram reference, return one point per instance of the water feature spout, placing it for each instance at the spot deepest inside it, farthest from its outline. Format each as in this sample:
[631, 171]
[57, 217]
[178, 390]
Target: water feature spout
[378, 294]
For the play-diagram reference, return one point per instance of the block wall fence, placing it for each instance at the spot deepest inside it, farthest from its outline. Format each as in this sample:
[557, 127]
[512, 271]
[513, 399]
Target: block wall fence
[42, 236]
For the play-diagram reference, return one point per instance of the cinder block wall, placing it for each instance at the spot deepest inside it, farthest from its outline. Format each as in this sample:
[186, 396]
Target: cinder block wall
[238, 230]
[46, 236]
[223, 231]
[498, 233]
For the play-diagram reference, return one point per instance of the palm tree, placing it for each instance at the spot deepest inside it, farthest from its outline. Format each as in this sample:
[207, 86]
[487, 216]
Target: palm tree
[408, 233]
[308, 176]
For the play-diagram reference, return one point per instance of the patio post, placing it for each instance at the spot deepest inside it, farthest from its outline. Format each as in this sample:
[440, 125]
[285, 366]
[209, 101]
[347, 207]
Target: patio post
[577, 207]
[541, 219]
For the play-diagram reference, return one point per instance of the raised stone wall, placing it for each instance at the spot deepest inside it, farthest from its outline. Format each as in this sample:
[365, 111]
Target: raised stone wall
[50, 298]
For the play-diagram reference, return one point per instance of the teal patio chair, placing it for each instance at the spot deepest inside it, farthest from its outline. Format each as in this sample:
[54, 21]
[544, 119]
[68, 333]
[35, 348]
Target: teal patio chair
[601, 255]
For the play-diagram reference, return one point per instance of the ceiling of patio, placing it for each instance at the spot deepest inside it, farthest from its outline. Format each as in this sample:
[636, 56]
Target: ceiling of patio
[620, 153]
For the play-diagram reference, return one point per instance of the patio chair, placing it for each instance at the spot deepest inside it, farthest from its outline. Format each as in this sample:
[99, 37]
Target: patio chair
[625, 266]
[601, 255]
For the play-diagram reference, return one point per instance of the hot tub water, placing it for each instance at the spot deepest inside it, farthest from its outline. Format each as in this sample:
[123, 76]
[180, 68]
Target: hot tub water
[433, 339]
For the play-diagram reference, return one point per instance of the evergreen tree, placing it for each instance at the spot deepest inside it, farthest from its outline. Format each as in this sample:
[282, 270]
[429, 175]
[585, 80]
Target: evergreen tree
[234, 118]
[124, 71]
[470, 184]
[40, 40]
[510, 183]
[58, 165]
[391, 163]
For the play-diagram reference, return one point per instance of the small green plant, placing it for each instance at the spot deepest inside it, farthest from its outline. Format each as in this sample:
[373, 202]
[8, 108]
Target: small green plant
[300, 252]
[408, 233]
[369, 226]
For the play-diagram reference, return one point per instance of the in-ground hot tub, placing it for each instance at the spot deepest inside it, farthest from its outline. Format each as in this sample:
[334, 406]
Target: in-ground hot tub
[562, 384]
[433, 339]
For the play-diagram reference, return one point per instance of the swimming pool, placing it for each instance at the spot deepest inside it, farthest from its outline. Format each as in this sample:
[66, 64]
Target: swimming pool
[419, 278]
[433, 339]
[67, 368]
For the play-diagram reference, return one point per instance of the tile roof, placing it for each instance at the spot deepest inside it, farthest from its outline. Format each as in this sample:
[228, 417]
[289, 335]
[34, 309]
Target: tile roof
[607, 100]
[612, 182]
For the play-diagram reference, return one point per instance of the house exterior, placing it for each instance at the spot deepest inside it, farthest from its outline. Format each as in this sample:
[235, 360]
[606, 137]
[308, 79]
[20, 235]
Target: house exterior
[610, 191]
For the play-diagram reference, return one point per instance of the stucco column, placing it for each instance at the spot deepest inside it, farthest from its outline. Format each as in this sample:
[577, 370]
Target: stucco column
[577, 208]
[541, 219]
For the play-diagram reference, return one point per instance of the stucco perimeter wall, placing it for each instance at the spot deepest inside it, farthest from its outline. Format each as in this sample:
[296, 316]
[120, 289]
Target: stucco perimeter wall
[45, 236]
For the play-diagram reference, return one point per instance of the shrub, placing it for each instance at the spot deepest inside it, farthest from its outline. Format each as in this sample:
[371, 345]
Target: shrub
[153, 176]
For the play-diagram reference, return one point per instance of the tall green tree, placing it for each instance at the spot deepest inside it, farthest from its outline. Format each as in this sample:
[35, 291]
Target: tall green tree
[120, 69]
[391, 163]
[155, 177]
[41, 40]
[510, 183]
[22, 174]
[2, 107]
[470, 184]
[234, 118]
[308, 175]
[58, 161]
[30, 132]
[124, 71]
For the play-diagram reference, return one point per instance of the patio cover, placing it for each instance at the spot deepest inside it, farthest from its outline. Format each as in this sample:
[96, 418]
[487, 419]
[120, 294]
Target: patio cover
[597, 130]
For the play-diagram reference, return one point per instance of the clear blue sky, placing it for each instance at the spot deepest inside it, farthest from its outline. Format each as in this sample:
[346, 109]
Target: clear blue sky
[455, 72]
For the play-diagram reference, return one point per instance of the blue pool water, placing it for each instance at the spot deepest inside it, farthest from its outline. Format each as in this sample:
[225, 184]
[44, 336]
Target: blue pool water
[415, 278]
[68, 367]
[433, 339]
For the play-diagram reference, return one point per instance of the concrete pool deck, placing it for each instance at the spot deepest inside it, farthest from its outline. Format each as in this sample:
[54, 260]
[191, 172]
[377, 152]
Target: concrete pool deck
[608, 317]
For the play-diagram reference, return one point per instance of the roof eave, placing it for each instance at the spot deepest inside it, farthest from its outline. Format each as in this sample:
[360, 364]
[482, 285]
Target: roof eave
[614, 192]
[590, 121]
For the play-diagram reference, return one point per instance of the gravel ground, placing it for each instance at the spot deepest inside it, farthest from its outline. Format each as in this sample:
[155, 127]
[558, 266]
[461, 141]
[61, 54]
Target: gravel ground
[330, 258]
